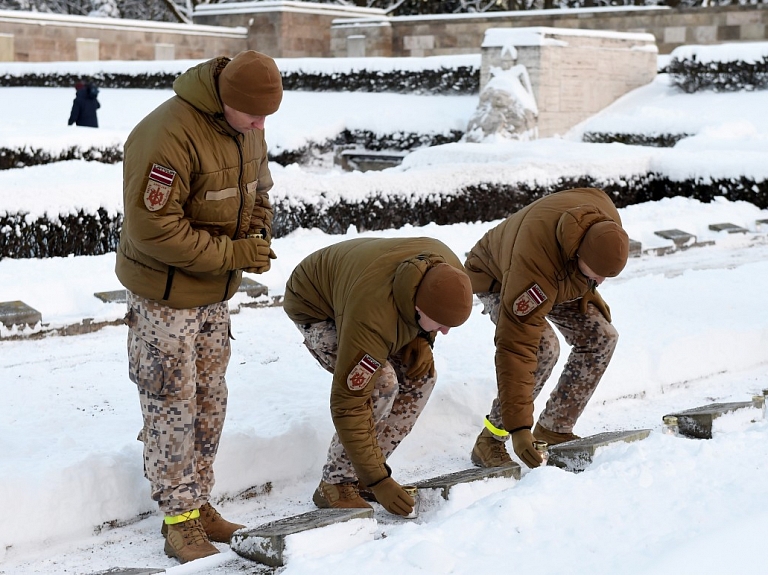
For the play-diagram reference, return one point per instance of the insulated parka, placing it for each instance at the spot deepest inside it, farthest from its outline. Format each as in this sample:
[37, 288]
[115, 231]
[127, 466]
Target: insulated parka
[368, 288]
[192, 185]
[530, 258]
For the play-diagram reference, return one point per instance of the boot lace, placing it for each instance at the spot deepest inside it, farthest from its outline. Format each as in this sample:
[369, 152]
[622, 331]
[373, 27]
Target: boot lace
[348, 491]
[193, 533]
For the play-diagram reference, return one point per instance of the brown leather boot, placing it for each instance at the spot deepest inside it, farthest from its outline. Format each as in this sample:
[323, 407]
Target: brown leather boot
[365, 492]
[339, 496]
[187, 541]
[552, 437]
[216, 527]
[489, 451]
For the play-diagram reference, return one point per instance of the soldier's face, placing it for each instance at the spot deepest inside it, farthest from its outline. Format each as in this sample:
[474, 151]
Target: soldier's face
[589, 273]
[243, 122]
[428, 324]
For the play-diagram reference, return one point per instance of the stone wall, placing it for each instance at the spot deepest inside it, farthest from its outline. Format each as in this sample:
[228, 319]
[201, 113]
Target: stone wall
[574, 73]
[37, 37]
[284, 29]
[461, 34]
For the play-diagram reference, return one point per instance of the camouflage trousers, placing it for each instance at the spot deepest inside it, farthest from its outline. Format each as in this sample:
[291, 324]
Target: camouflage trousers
[592, 339]
[178, 359]
[397, 400]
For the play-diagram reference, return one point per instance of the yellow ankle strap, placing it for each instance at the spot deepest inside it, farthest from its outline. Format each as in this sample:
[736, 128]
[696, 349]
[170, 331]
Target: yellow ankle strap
[495, 430]
[173, 519]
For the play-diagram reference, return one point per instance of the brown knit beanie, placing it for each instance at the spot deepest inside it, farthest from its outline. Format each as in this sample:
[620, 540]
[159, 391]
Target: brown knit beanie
[251, 83]
[445, 295]
[605, 248]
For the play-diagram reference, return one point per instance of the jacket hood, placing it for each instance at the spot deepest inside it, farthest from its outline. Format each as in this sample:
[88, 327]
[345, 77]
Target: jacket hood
[572, 226]
[197, 86]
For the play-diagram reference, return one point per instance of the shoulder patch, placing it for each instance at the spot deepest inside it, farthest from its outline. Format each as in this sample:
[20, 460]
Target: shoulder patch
[162, 174]
[158, 187]
[529, 300]
[362, 373]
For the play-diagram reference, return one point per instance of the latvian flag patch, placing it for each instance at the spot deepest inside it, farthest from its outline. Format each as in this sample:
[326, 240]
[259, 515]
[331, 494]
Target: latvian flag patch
[162, 175]
[362, 373]
[529, 300]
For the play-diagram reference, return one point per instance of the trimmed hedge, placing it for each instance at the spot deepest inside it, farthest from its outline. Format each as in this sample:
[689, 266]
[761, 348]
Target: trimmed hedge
[95, 234]
[27, 156]
[690, 75]
[454, 81]
[653, 140]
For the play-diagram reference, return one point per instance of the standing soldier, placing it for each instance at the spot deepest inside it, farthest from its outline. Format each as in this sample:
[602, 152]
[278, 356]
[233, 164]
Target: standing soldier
[197, 213]
[369, 310]
[544, 263]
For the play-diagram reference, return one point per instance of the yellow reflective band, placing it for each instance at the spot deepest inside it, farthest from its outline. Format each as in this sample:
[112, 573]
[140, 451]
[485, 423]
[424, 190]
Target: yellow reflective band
[174, 519]
[495, 430]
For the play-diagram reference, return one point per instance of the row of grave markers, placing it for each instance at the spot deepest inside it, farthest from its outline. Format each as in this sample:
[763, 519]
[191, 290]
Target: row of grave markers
[270, 543]
[18, 313]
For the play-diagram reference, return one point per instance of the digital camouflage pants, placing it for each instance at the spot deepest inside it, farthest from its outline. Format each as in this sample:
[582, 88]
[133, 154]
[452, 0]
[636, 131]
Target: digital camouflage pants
[397, 400]
[592, 339]
[178, 359]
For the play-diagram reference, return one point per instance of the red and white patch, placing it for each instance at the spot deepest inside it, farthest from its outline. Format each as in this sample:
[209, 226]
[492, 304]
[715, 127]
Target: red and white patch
[362, 373]
[156, 195]
[529, 300]
[162, 175]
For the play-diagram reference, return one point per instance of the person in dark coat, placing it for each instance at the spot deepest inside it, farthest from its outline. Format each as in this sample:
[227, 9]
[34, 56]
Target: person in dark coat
[85, 105]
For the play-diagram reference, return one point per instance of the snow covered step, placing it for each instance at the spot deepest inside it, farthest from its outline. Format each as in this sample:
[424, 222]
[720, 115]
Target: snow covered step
[130, 571]
[445, 482]
[577, 455]
[308, 534]
[697, 422]
[18, 313]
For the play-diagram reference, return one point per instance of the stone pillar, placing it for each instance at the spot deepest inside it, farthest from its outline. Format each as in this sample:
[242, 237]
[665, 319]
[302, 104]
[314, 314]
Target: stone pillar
[574, 73]
[87, 49]
[165, 52]
[6, 48]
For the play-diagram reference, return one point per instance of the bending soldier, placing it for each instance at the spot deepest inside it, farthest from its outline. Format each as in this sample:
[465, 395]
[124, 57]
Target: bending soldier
[544, 263]
[369, 310]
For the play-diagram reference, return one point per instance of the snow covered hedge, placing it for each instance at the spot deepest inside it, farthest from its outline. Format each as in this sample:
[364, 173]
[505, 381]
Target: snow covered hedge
[722, 68]
[98, 233]
[654, 140]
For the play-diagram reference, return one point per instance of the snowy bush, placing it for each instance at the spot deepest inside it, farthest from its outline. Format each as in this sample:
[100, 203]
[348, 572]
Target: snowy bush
[691, 75]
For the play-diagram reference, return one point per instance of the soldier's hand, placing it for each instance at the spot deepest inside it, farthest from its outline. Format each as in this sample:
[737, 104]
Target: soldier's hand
[522, 443]
[252, 254]
[596, 300]
[265, 266]
[393, 497]
[418, 359]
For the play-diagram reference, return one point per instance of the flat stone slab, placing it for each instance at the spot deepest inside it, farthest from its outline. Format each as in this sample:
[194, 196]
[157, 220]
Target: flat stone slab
[130, 571]
[18, 313]
[445, 482]
[252, 288]
[635, 248]
[697, 422]
[267, 543]
[679, 237]
[117, 296]
[727, 227]
[577, 455]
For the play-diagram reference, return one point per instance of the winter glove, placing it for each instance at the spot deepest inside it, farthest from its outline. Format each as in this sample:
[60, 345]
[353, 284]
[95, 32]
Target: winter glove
[418, 359]
[596, 300]
[252, 254]
[522, 443]
[392, 497]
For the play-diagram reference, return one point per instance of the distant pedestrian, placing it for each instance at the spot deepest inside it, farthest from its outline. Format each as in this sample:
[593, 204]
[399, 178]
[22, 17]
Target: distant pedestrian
[85, 105]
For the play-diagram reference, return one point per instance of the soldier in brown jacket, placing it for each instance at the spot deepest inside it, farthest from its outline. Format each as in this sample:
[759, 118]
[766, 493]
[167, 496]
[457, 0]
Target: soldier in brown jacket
[197, 213]
[369, 310]
[544, 263]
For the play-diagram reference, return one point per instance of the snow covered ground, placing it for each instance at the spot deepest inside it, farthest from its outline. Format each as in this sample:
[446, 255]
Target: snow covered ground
[693, 328]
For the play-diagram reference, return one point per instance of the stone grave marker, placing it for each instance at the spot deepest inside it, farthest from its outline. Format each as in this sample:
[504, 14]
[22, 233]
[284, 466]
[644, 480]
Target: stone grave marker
[267, 543]
[576, 455]
[130, 571]
[117, 296]
[697, 422]
[730, 228]
[445, 482]
[18, 313]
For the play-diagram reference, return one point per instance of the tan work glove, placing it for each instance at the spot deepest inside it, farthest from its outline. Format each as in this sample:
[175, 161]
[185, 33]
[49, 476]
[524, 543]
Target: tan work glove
[418, 359]
[252, 254]
[392, 497]
[522, 443]
[596, 300]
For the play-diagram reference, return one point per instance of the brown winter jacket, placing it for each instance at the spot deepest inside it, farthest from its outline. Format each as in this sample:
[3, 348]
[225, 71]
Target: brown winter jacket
[182, 254]
[367, 287]
[530, 258]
